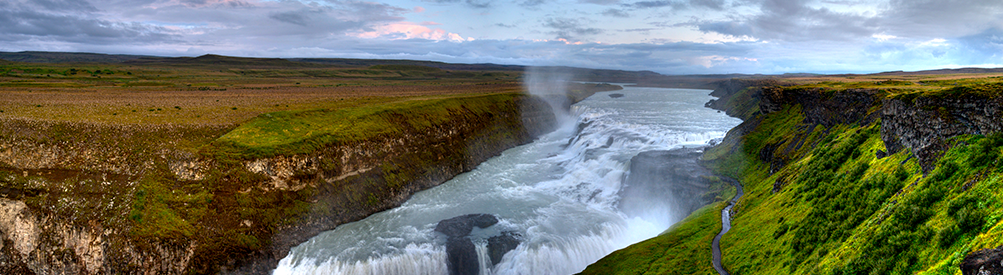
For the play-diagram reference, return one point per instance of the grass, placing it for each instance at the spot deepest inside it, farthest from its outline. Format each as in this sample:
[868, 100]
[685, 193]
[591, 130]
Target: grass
[207, 93]
[298, 132]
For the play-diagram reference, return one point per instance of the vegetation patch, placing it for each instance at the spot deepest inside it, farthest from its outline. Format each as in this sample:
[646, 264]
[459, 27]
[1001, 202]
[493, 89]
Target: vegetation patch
[298, 132]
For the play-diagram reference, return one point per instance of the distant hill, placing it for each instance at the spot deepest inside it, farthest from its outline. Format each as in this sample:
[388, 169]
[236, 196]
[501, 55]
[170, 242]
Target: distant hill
[212, 59]
[64, 57]
[348, 62]
[949, 71]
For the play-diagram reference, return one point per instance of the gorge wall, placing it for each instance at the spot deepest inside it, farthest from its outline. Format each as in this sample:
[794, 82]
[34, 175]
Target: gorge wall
[96, 199]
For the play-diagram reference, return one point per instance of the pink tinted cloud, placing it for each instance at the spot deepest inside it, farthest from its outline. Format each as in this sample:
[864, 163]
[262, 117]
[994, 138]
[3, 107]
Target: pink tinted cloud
[430, 23]
[418, 9]
[409, 30]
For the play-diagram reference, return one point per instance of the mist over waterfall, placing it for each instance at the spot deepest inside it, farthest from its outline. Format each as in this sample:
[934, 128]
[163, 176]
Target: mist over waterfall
[551, 84]
[557, 200]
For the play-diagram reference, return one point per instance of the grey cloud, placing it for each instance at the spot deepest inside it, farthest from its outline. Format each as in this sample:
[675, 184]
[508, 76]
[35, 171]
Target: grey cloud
[600, 2]
[940, 18]
[480, 4]
[295, 18]
[794, 21]
[678, 4]
[654, 4]
[711, 4]
[615, 13]
[986, 43]
[638, 30]
[64, 5]
[569, 28]
[207, 3]
[26, 23]
[503, 25]
[532, 3]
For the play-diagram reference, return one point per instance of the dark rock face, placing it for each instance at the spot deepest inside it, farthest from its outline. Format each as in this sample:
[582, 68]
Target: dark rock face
[461, 254]
[462, 225]
[822, 107]
[501, 244]
[983, 262]
[925, 123]
[672, 176]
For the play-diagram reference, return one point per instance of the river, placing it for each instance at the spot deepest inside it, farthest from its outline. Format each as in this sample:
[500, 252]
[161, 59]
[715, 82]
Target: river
[558, 194]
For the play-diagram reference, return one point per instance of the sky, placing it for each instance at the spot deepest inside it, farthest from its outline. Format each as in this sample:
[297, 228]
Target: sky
[665, 36]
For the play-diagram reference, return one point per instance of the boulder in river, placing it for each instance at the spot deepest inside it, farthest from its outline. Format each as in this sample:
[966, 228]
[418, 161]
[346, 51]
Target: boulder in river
[615, 95]
[461, 254]
[501, 244]
[461, 226]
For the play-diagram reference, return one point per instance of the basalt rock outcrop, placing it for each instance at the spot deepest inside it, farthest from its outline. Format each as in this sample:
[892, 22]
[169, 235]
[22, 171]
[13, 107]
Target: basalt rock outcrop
[924, 124]
[983, 262]
[921, 123]
[461, 255]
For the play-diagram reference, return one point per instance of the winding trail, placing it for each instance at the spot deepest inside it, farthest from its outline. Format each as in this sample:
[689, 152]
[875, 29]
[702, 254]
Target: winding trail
[725, 226]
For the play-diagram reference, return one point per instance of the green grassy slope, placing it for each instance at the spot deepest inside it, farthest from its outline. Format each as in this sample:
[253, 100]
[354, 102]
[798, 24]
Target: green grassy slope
[831, 206]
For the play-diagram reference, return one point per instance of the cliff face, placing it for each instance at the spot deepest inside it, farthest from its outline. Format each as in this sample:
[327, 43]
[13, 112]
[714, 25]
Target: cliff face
[87, 200]
[924, 124]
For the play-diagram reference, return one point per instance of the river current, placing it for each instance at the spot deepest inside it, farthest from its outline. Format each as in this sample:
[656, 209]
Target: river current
[559, 194]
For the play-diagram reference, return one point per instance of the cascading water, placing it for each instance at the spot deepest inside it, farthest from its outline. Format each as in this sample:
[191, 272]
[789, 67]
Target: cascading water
[559, 194]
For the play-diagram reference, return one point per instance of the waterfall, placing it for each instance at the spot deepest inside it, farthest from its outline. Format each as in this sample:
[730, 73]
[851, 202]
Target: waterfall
[559, 194]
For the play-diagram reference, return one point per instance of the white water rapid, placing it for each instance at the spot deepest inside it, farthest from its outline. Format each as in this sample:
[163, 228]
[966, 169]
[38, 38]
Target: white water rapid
[560, 197]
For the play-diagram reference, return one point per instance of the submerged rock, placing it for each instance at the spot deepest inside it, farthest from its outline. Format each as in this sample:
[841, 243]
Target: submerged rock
[501, 244]
[615, 95]
[460, 226]
[461, 256]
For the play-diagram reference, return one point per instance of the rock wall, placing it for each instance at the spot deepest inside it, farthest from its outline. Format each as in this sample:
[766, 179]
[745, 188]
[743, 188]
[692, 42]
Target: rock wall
[923, 124]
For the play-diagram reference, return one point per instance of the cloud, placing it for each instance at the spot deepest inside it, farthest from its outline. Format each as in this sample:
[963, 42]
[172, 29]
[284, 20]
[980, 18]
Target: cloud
[569, 28]
[64, 5]
[794, 21]
[600, 2]
[533, 4]
[654, 4]
[74, 22]
[408, 30]
[677, 4]
[478, 4]
[940, 18]
[214, 3]
[295, 18]
[615, 13]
